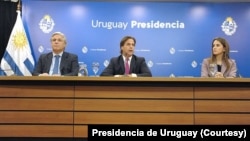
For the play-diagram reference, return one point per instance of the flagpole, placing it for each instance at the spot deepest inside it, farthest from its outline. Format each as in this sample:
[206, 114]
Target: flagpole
[18, 9]
[19, 5]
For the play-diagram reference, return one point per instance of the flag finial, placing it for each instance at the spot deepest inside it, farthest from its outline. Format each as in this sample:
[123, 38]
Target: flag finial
[19, 5]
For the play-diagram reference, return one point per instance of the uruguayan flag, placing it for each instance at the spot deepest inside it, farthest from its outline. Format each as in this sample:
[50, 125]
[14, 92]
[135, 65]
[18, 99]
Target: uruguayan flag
[18, 59]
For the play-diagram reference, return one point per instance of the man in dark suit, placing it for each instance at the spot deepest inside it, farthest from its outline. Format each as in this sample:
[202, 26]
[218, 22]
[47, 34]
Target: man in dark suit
[136, 65]
[58, 62]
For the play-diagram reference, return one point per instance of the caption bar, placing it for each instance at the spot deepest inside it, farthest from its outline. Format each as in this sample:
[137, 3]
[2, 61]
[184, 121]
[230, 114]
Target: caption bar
[163, 132]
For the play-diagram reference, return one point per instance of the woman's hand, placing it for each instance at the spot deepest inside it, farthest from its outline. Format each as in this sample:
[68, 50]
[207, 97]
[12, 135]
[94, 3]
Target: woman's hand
[218, 75]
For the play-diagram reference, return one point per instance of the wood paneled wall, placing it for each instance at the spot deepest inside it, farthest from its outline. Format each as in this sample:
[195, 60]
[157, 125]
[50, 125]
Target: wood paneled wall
[65, 108]
[29, 110]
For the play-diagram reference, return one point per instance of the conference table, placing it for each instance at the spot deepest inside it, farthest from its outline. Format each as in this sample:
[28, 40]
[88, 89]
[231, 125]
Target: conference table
[33, 106]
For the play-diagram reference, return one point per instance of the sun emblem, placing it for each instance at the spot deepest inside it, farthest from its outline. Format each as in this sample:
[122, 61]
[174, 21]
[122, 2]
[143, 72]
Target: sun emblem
[20, 39]
[229, 19]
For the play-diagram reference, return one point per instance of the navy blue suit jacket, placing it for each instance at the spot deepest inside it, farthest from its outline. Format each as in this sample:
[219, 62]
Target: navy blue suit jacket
[69, 64]
[137, 65]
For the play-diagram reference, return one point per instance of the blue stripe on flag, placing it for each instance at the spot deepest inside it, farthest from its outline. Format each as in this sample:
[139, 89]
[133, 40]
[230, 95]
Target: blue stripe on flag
[12, 64]
[28, 65]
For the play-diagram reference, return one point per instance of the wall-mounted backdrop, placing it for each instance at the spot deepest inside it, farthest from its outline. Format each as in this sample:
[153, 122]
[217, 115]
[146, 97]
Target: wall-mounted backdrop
[173, 37]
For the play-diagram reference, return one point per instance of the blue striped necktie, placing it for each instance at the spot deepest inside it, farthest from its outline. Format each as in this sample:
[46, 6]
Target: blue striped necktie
[56, 65]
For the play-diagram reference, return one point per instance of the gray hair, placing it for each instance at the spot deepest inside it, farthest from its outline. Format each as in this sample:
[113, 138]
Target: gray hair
[59, 33]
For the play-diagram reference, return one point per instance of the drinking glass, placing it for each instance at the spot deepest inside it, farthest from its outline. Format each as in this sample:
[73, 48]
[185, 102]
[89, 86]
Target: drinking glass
[95, 67]
[83, 71]
[212, 69]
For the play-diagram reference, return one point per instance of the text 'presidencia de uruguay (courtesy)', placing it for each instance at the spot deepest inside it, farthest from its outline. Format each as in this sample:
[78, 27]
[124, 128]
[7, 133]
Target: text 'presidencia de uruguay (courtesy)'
[165, 132]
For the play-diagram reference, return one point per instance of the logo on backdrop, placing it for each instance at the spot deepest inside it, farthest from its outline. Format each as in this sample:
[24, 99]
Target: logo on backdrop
[172, 50]
[106, 63]
[84, 49]
[46, 24]
[41, 49]
[150, 64]
[194, 64]
[229, 26]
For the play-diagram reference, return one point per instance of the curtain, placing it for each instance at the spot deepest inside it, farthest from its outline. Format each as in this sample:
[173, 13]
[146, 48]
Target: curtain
[8, 16]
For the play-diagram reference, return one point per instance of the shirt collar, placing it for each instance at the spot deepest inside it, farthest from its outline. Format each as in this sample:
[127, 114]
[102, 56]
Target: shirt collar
[60, 54]
[124, 58]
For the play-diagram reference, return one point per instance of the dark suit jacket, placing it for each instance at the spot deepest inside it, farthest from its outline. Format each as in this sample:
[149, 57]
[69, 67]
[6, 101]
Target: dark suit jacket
[116, 67]
[69, 64]
[230, 73]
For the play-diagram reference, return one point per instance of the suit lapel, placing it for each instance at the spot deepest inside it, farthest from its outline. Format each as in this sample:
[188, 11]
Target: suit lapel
[132, 64]
[63, 59]
[121, 63]
[223, 68]
[49, 62]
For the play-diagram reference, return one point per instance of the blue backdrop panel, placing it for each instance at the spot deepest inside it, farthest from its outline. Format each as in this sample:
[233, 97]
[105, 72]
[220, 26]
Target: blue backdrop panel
[173, 37]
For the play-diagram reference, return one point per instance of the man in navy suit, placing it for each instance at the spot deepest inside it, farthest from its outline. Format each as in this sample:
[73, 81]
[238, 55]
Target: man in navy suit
[67, 62]
[137, 65]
